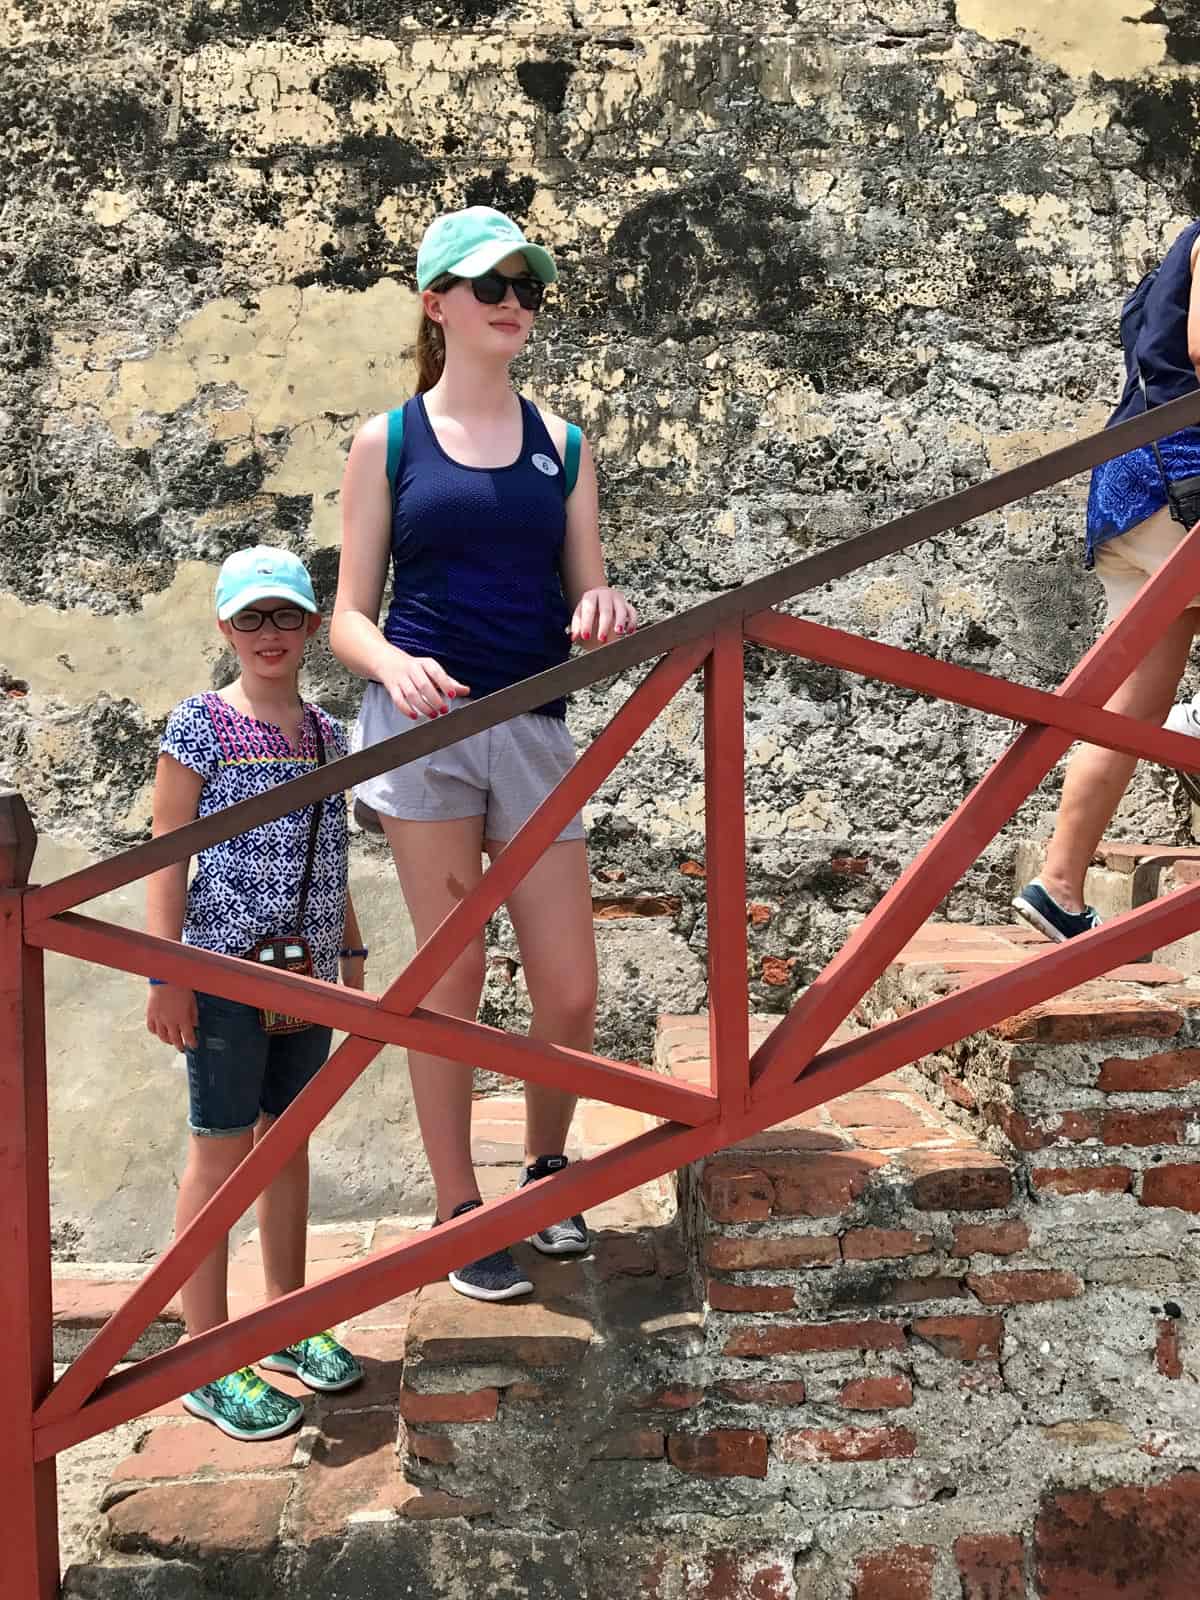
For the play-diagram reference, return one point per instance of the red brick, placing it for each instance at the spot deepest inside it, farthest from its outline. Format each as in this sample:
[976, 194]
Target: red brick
[1143, 1127]
[676, 1397]
[958, 1180]
[1122, 1544]
[446, 1329]
[847, 1444]
[435, 1447]
[739, 1194]
[617, 1255]
[693, 869]
[1093, 1011]
[1177, 1185]
[1023, 1288]
[634, 1444]
[963, 1338]
[991, 1566]
[912, 1291]
[758, 915]
[755, 1255]
[1167, 1354]
[822, 1183]
[206, 1520]
[427, 1505]
[746, 1391]
[884, 1244]
[353, 1469]
[777, 970]
[609, 908]
[197, 1449]
[810, 1338]
[750, 1296]
[902, 1573]
[849, 866]
[1157, 1074]
[990, 1238]
[729, 1574]
[866, 1109]
[1083, 1180]
[526, 1393]
[476, 1405]
[957, 1091]
[721, 1453]
[1051, 1128]
[877, 1394]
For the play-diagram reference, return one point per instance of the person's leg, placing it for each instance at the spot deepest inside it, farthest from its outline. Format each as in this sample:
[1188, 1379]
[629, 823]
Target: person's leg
[211, 1159]
[1096, 779]
[551, 913]
[282, 1211]
[438, 863]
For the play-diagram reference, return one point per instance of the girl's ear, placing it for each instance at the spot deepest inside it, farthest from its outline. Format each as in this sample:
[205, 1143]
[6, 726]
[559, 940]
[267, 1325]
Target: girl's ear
[432, 302]
[313, 624]
[225, 629]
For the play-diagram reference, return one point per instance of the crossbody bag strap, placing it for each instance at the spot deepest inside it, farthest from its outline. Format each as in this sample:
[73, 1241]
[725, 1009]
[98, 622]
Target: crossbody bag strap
[313, 830]
[1162, 468]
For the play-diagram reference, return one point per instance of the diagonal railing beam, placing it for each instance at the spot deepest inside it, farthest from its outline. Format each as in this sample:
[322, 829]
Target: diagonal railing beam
[900, 534]
[938, 867]
[979, 690]
[450, 939]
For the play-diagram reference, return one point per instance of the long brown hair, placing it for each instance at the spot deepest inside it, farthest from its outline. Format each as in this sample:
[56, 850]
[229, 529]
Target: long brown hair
[431, 341]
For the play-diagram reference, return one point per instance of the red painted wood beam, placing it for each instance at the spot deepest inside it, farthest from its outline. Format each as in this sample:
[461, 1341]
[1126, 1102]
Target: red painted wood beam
[725, 862]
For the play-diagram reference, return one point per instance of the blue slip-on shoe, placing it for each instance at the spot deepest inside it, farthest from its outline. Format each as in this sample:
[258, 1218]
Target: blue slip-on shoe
[1045, 914]
[568, 1238]
[493, 1277]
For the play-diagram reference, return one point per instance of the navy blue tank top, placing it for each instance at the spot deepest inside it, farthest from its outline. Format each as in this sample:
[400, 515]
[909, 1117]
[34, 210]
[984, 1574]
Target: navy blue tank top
[1161, 344]
[475, 558]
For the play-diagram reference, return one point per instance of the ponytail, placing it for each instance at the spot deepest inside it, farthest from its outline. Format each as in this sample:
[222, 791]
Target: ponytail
[431, 342]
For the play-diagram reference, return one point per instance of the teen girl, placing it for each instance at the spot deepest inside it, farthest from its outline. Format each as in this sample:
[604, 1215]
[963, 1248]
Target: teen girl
[490, 517]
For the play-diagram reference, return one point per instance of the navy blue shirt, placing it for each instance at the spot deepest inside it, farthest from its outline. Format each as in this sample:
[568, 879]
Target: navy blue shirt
[1130, 488]
[476, 553]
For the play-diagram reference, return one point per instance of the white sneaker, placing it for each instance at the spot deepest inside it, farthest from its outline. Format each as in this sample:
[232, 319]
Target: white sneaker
[1185, 718]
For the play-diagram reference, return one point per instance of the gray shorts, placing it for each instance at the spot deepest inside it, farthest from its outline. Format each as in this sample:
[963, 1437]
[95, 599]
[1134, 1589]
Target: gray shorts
[502, 774]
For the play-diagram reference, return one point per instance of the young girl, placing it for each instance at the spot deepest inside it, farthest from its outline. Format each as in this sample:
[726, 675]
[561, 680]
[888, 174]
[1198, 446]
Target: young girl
[219, 748]
[488, 509]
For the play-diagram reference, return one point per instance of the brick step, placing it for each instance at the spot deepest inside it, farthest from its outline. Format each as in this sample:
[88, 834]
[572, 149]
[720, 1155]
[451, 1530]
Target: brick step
[1124, 875]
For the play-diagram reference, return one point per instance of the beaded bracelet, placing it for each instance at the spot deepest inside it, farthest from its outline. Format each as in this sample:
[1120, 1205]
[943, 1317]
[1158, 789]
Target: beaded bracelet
[155, 982]
[350, 954]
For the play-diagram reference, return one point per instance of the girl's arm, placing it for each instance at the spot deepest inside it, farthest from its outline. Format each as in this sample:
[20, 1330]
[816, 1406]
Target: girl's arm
[417, 684]
[352, 968]
[171, 1009]
[1193, 326]
[598, 611]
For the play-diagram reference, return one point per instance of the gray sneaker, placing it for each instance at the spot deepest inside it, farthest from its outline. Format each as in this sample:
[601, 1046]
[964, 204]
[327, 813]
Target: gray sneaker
[568, 1238]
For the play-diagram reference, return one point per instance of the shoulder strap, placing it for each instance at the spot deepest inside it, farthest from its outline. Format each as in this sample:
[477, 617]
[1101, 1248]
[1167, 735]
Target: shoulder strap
[395, 444]
[313, 830]
[571, 464]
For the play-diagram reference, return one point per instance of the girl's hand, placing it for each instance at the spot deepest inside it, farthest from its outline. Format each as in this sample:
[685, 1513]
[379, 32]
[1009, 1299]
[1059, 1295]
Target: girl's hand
[419, 686]
[171, 1015]
[600, 615]
[353, 971]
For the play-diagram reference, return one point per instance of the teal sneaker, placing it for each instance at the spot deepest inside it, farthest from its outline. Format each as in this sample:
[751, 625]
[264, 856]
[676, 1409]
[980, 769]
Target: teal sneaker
[244, 1407]
[318, 1361]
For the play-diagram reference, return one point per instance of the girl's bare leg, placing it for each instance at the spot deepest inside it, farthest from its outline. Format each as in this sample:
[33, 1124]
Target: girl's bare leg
[551, 913]
[1096, 779]
[211, 1159]
[282, 1210]
[438, 863]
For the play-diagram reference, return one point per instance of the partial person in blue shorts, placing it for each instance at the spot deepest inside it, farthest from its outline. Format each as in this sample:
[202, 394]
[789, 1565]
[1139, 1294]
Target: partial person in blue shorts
[285, 879]
[1132, 527]
[487, 508]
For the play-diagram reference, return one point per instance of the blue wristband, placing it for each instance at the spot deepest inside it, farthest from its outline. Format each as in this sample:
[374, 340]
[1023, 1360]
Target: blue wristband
[155, 982]
[350, 954]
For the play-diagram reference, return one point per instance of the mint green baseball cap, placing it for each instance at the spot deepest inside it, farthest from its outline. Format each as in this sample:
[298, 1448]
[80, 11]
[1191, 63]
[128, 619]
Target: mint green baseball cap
[471, 242]
[263, 573]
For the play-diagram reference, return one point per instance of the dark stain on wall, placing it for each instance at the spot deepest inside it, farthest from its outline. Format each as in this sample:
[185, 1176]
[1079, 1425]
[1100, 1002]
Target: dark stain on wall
[514, 196]
[546, 82]
[347, 82]
[304, 19]
[1164, 117]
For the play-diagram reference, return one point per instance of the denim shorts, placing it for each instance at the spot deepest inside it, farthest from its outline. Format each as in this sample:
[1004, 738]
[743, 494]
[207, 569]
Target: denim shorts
[236, 1072]
[502, 774]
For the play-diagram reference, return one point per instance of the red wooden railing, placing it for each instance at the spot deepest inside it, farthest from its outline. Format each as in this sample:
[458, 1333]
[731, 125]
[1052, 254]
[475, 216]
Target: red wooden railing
[793, 1071]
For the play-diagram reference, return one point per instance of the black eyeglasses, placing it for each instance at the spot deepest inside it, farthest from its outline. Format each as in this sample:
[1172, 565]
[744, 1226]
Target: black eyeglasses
[491, 287]
[286, 618]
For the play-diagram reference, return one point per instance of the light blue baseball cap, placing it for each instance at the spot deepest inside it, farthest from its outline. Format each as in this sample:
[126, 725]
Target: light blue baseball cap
[471, 242]
[263, 573]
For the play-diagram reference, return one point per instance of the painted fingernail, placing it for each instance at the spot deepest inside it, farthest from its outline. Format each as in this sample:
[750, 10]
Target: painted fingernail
[452, 694]
[603, 638]
[586, 634]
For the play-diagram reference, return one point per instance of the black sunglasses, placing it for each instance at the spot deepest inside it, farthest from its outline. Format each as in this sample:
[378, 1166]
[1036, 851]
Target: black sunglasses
[286, 618]
[490, 289]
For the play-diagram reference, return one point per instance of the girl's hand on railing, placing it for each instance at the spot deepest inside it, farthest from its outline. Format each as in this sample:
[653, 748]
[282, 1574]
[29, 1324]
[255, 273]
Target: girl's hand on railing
[171, 1015]
[420, 686]
[601, 615]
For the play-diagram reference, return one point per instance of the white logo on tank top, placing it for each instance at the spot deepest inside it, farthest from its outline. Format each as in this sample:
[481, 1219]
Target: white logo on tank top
[544, 464]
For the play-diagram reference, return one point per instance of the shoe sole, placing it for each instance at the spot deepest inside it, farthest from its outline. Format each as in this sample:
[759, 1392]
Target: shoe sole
[315, 1384]
[567, 1249]
[473, 1293]
[248, 1436]
[1035, 919]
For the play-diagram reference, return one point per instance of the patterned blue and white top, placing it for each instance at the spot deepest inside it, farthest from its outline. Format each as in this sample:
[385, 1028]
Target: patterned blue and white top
[248, 888]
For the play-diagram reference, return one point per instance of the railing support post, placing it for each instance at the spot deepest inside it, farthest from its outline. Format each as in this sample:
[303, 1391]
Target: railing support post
[29, 1550]
[725, 854]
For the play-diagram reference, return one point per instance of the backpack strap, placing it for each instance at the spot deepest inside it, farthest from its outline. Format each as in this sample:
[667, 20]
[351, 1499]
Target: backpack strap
[571, 464]
[395, 444]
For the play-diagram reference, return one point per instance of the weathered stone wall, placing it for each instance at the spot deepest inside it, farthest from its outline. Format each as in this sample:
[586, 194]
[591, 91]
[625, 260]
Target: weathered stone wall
[820, 265]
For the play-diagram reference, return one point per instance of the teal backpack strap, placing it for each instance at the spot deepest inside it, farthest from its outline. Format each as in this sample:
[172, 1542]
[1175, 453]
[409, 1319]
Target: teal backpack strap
[395, 444]
[571, 464]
